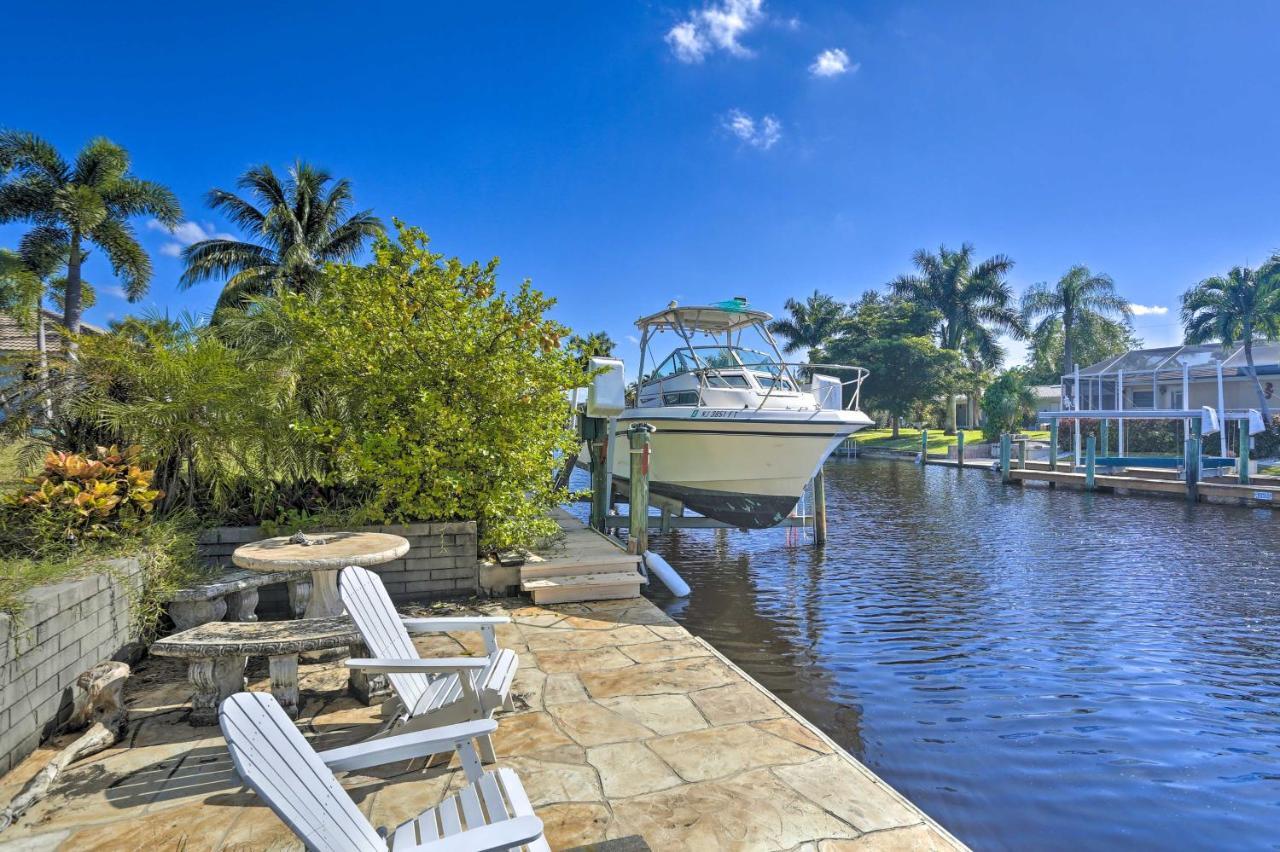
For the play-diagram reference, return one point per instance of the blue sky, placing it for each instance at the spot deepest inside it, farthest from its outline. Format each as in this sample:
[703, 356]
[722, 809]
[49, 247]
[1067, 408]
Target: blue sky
[625, 154]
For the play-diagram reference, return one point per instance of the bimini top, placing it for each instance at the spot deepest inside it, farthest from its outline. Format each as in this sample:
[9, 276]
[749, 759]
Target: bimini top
[713, 319]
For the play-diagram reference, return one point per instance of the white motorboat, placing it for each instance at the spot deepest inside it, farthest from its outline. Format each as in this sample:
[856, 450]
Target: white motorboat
[739, 432]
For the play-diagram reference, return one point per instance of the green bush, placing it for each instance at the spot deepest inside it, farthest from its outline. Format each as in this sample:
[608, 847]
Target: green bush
[443, 398]
[1007, 402]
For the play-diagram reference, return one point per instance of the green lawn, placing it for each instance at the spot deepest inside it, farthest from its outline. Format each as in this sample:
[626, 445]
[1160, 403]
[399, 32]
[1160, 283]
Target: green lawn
[909, 439]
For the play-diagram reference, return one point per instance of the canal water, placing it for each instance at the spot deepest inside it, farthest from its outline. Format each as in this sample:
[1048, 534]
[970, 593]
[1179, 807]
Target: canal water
[1036, 669]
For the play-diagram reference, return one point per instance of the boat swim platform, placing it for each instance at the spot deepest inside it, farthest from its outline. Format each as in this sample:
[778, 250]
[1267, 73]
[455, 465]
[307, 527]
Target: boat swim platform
[624, 725]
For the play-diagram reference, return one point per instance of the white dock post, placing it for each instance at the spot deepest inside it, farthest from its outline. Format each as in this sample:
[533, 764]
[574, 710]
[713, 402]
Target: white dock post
[1075, 390]
[1186, 400]
[1222, 414]
[1120, 407]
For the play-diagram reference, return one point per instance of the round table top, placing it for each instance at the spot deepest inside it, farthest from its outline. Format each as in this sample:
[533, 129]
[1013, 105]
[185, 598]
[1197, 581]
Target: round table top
[259, 638]
[332, 552]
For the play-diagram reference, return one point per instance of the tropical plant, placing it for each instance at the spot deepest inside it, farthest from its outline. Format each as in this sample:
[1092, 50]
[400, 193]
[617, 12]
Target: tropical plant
[295, 226]
[20, 288]
[1079, 297]
[1241, 306]
[76, 498]
[597, 344]
[974, 304]
[76, 205]
[1007, 403]
[892, 338]
[446, 397]
[809, 324]
[1097, 339]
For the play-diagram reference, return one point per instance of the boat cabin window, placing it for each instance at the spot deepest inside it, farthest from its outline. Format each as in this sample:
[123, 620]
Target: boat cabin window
[727, 380]
[767, 382]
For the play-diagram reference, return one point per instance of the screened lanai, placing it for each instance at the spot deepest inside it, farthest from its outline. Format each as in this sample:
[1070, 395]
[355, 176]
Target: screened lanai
[1173, 379]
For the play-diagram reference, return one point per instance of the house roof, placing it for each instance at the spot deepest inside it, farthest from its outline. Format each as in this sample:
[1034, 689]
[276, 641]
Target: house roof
[1198, 360]
[15, 338]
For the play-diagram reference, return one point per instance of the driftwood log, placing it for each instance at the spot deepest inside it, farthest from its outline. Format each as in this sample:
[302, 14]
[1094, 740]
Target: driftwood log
[97, 703]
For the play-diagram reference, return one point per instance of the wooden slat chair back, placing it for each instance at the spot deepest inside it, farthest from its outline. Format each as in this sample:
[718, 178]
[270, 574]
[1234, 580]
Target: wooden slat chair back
[279, 764]
[370, 607]
[491, 811]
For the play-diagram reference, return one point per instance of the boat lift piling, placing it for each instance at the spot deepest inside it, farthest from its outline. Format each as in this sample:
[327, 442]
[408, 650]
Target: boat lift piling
[960, 448]
[638, 515]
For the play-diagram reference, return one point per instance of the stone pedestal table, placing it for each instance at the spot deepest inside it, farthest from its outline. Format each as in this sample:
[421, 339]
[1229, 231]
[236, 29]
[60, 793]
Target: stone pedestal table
[322, 558]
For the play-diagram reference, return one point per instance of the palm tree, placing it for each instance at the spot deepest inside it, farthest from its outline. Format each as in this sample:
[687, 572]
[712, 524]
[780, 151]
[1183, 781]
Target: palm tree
[811, 323]
[975, 304]
[1079, 297]
[295, 226]
[75, 205]
[1243, 305]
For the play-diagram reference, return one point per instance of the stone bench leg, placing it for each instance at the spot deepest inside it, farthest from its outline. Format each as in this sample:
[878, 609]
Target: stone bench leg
[283, 669]
[243, 605]
[214, 679]
[188, 614]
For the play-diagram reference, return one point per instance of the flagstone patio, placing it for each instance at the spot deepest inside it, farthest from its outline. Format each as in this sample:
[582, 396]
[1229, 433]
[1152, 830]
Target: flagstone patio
[625, 724]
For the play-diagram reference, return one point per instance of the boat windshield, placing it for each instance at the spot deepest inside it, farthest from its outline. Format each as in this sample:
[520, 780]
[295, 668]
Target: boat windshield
[711, 358]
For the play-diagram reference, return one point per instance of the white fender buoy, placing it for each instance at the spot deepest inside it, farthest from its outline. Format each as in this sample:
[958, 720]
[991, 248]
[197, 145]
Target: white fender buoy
[660, 568]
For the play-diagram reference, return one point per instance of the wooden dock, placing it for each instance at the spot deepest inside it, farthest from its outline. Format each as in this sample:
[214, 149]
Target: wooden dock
[1155, 482]
[581, 565]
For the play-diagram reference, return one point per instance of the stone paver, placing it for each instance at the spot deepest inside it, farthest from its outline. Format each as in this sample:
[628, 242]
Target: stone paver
[624, 724]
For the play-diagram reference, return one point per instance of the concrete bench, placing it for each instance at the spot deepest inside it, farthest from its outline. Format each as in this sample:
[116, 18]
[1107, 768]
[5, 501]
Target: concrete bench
[232, 594]
[217, 652]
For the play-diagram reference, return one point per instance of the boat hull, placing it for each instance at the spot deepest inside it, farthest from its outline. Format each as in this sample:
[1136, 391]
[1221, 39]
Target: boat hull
[746, 468]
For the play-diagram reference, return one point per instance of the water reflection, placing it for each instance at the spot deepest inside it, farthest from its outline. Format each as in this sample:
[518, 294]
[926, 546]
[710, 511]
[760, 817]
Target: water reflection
[1034, 668]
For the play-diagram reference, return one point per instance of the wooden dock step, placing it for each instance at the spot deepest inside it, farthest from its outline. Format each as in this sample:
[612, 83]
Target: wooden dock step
[584, 587]
[575, 563]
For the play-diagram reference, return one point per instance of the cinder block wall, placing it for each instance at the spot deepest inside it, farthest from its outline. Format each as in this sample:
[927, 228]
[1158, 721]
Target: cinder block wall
[65, 629]
[441, 562]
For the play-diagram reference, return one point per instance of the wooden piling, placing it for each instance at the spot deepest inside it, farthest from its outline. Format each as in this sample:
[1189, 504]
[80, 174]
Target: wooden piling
[1104, 436]
[1242, 462]
[638, 532]
[1022, 454]
[819, 509]
[595, 430]
[924, 445]
[1090, 455]
[960, 448]
[1053, 444]
[1005, 453]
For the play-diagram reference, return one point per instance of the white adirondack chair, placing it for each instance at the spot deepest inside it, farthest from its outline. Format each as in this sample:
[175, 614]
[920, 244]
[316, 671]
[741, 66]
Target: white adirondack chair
[298, 783]
[432, 691]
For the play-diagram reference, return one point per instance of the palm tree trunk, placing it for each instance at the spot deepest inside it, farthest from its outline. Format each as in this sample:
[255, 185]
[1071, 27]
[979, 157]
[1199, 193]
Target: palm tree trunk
[895, 419]
[1068, 350]
[1253, 374]
[72, 308]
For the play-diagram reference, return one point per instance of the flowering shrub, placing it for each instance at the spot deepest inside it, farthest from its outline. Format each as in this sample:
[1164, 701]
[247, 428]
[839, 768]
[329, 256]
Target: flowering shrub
[78, 497]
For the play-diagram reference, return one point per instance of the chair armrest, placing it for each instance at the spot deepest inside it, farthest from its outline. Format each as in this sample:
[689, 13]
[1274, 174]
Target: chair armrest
[505, 834]
[384, 750]
[442, 625]
[427, 666]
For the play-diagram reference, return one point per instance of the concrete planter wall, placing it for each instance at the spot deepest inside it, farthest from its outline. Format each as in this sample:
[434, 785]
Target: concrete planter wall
[65, 629]
[441, 562]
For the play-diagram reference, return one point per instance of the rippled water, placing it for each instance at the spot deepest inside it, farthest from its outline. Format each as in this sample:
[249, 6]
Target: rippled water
[1035, 668]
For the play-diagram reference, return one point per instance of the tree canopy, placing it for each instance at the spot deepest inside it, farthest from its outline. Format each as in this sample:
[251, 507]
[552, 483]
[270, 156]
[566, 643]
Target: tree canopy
[1078, 298]
[295, 226]
[72, 206]
[809, 324]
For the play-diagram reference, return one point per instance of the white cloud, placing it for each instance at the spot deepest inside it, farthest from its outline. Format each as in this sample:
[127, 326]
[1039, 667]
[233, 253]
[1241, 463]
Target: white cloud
[633, 340]
[762, 134]
[1148, 310]
[717, 26]
[186, 234]
[831, 63]
[116, 291]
